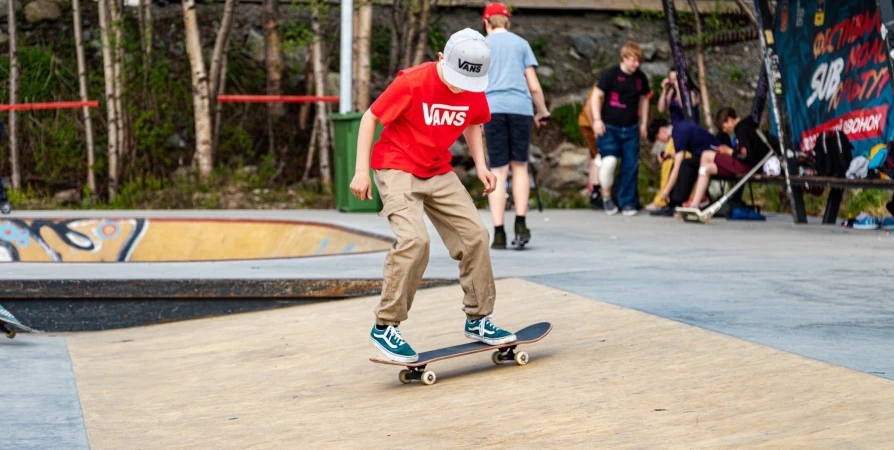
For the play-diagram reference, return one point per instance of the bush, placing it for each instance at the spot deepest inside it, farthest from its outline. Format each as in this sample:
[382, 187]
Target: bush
[566, 117]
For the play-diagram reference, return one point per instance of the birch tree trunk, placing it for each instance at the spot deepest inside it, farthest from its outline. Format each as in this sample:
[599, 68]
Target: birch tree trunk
[703, 84]
[355, 61]
[322, 123]
[82, 84]
[201, 108]
[364, 32]
[218, 107]
[117, 24]
[13, 97]
[422, 33]
[396, 25]
[144, 10]
[274, 55]
[410, 33]
[218, 76]
[108, 72]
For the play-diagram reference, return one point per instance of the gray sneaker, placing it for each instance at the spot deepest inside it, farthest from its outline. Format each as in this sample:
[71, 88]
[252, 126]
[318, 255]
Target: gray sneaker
[610, 207]
[629, 212]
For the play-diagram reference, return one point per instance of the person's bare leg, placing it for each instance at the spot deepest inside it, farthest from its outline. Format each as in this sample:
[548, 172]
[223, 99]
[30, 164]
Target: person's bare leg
[594, 171]
[497, 199]
[521, 187]
[707, 169]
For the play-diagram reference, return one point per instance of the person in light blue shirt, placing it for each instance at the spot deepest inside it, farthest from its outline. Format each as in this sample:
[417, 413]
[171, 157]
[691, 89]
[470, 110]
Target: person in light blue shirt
[512, 88]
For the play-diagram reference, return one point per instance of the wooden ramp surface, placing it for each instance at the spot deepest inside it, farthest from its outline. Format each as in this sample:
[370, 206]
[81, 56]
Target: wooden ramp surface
[606, 377]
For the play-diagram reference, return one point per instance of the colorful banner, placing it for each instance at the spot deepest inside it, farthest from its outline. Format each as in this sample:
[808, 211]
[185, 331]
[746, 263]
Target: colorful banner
[835, 71]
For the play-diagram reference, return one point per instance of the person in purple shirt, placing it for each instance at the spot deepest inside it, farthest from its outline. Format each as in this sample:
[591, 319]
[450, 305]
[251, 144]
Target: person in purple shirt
[688, 137]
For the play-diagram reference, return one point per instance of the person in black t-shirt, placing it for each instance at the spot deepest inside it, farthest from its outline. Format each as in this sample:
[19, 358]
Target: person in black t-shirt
[750, 149]
[620, 103]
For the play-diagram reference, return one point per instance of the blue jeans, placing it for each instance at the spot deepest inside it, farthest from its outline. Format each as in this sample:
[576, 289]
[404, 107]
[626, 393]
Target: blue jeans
[623, 143]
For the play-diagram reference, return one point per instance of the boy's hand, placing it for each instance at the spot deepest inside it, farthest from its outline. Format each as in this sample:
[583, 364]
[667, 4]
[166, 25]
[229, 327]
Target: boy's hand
[488, 179]
[643, 132]
[541, 119]
[361, 186]
[598, 127]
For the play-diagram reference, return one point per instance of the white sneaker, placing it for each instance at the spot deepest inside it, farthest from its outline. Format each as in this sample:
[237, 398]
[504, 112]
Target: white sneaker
[629, 212]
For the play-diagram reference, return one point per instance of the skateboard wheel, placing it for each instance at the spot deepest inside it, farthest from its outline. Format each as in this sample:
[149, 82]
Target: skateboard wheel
[521, 358]
[11, 333]
[497, 358]
[429, 378]
[404, 376]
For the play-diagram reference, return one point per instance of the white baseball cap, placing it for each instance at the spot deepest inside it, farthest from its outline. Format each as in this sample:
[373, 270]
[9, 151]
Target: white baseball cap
[467, 60]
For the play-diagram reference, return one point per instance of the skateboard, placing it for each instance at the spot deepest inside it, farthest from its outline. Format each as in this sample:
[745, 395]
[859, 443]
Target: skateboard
[690, 214]
[503, 352]
[8, 324]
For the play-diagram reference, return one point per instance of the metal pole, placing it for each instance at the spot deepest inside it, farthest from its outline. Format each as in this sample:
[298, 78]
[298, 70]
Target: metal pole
[345, 104]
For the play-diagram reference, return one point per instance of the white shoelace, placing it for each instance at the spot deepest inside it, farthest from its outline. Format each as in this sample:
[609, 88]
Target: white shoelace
[482, 325]
[392, 334]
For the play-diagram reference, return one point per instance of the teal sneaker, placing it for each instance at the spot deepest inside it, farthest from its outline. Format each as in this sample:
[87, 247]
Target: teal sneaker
[485, 331]
[392, 344]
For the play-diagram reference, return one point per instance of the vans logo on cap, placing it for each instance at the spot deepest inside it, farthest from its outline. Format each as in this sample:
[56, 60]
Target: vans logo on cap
[470, 67]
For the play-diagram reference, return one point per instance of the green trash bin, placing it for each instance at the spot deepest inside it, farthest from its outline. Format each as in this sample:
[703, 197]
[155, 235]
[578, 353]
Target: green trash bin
[346, 127]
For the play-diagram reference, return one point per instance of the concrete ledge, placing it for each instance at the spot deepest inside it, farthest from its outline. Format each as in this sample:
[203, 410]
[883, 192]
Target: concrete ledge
[197, 288]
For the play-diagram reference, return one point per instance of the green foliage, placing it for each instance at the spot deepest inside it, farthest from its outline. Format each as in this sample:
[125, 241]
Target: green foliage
[539, 46]
[380, 47]
[566, 117]
[436, 37]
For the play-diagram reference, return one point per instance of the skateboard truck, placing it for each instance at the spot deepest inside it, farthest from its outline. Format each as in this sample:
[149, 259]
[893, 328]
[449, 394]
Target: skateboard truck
[417, 373]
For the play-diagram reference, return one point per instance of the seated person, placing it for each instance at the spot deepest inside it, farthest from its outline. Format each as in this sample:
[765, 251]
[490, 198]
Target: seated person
[687, 137]
[725, 162]
[666, 160]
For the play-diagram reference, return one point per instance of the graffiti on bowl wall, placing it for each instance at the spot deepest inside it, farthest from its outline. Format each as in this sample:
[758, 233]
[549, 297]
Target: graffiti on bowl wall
[81, 240]
[176, 240]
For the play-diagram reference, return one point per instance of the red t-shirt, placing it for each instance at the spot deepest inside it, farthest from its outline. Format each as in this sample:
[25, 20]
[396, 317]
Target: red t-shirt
[422, 119]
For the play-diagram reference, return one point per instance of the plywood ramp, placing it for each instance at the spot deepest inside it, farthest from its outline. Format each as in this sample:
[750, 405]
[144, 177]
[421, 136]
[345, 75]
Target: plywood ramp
[606, 377]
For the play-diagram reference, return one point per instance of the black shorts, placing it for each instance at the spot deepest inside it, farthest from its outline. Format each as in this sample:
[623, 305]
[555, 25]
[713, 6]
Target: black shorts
[508, 138]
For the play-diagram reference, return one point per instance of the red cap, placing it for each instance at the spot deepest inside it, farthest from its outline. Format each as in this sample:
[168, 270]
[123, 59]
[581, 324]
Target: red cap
[495, 9]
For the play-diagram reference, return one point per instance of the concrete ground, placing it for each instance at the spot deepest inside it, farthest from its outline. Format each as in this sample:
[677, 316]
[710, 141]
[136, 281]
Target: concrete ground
[733, 334]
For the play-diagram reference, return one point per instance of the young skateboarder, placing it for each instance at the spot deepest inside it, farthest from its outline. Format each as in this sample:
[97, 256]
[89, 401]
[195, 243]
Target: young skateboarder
[424, 111]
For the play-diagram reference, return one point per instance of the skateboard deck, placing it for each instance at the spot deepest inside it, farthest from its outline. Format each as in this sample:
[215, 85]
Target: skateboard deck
[503, 352]
[690, 214]
[8, 324]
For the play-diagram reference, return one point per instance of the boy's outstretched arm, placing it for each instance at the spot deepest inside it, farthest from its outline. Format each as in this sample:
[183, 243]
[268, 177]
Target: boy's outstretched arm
[675, 172]
[536, 95]
[361, 185]
[474, 139]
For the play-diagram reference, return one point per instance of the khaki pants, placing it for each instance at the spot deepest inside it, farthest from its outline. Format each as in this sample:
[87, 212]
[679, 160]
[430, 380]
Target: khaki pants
[445, 201]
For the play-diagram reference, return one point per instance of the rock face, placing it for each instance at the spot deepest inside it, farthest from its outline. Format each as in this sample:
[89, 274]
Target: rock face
[41, 10]
[584, 45]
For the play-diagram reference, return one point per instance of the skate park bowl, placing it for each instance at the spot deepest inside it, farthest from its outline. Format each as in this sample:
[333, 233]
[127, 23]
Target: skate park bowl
[123, 240]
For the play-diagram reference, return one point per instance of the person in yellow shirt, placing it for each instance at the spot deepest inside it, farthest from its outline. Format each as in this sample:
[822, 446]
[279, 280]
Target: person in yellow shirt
[585, 123]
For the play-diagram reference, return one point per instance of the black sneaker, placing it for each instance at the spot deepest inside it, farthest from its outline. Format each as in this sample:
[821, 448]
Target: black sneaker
[596, 201]
[499, 241]
[522, 234]
[5, 207]
[664, 211]
[610, 207]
